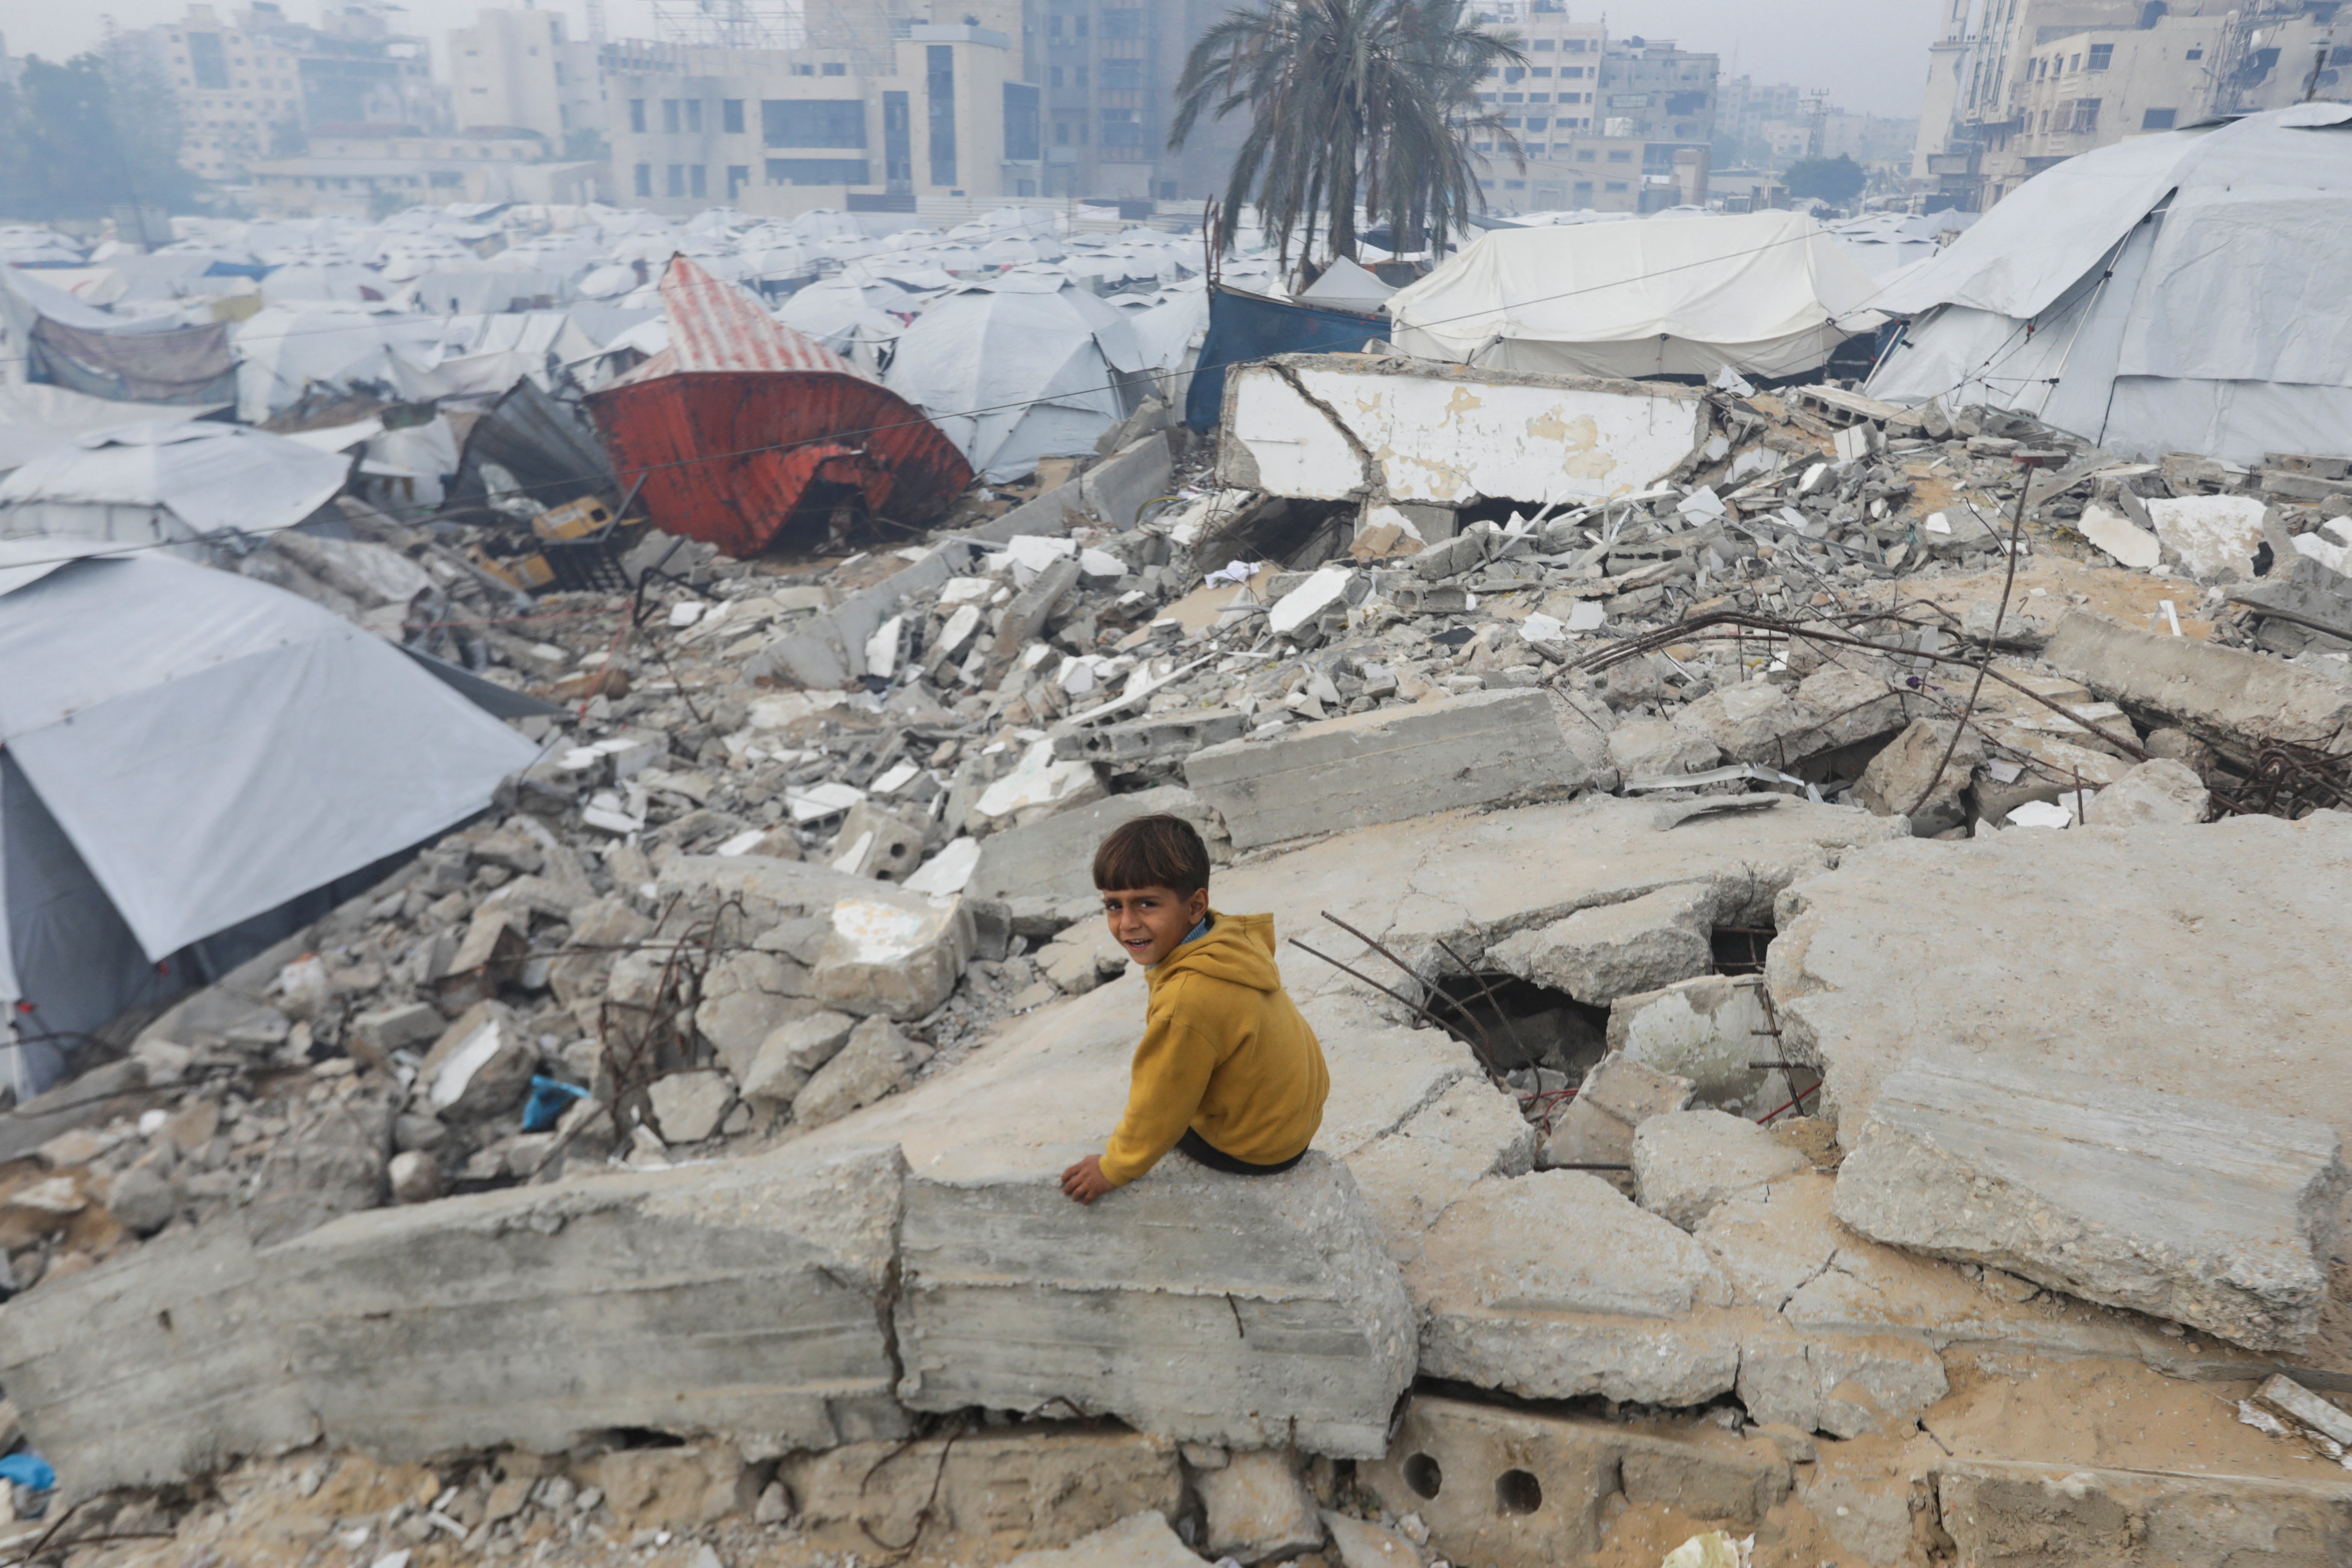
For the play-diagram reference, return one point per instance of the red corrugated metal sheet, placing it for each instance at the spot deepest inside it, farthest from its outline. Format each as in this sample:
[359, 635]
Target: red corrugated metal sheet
[742, 425]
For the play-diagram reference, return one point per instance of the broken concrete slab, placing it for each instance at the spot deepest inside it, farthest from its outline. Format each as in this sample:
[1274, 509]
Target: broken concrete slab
[1848, 1385]
[1257, 1506]
[2160, 791]
[1047, 1485]
[1707, 1030]
[1904, 781]
[1053, 859]
[1385, 766]
[1140, 1540]
[2059, 951]
[1162, 738]
[2018, 1511]
[1597, 956]
[874, 1060]
[739, 1300]
[1117, 488]
[1688, 1162]
[2233, 699]
[887, 956]
[1472, 1132]
[2210, 1215]
[791, 1056]
[2211, 534]
[1659, 748]
[1553, 1286]
[1286, 1322]
[1518, 1489]
[1616, 1096]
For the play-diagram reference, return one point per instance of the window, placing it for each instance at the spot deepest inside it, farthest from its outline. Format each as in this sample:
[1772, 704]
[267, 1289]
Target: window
[1540, 70]
[1080, 23]
[805, 70]
[833, 68]
[669, 114]
[1612, 185]
[1123, 76]
[1053, 76]
[676, 185]
[2102, 55]
[2157, 120]
[812, 122]
[1538, 124]
[2075, 63]
[1020, 123]
[1511, 124]
[1514, 74]
[897, 141]
[737, 177]
[938, 89]
[731, 120]
[1121, 24]
[1572, 70]
[817, 172]
[694, 115]
[1515, 97]
[1544, 45]
[1539, 98]
[698, 179]
[1078, 79]
[1585, 154]
[1060, 132]
[1119, 129]
[644, 179]
[1621, 155]
[2194, 55]
[1053, 27]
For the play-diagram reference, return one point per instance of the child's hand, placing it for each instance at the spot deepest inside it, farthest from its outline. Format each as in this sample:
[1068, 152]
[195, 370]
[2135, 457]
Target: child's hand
[1084, 1180]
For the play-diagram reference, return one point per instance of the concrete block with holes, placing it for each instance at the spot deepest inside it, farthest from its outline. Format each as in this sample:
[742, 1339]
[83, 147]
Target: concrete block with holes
[1514, 1489]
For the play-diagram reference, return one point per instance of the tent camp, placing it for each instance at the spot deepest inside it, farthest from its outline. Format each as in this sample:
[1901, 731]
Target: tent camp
[1020, 368]
[191, 765]
[1769, 294]
[2181, 291]
[159, 481]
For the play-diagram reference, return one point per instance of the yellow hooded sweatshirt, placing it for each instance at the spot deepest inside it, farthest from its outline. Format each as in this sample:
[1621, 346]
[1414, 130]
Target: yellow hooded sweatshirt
[1224, 1052]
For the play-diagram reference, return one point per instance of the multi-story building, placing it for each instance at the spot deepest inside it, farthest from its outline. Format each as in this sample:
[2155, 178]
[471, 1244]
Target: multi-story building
[779, 131]
[2015, 86]
[1624, 126]
[518, 68]
[251, 87]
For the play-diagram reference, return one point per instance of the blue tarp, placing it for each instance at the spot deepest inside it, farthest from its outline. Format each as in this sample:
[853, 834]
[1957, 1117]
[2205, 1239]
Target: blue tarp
[1245, 327]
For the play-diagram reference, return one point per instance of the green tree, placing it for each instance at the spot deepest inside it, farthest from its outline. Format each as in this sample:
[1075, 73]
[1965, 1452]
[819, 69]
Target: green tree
[76, 138]
[1353, 103]
[1833, 180]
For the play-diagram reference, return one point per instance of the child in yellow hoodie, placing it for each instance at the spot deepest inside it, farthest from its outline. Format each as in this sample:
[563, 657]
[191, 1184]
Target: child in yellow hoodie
[1228, 1073]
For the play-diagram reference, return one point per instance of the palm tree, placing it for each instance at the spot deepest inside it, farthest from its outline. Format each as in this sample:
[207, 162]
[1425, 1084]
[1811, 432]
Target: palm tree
[1353, 103]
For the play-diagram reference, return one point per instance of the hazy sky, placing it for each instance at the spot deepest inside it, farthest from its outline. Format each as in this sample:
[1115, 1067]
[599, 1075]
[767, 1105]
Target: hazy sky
[1870, 54]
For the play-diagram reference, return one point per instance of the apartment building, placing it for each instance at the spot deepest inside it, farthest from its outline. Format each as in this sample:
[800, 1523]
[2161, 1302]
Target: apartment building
[781, 131]
[365, 174]
[1614, 126]
[2016, 86]
[519, 68]
[251, 86]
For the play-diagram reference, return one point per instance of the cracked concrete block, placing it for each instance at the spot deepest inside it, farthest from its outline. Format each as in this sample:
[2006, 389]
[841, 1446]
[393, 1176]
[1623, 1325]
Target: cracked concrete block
[1553, 1286]
[1688, 1162]
[1845, 1385]
[1897, 782]
[887, 957]
[1361, 1543]
[1285, 1322]
[1257, 1506]
[1053, 859]
[2017, 1511]
[1385, 766]
[746, 997]
[1473, 1131]
[1747, 723]
[2234, 699]
[1141, 1541]
[1598, 954]
[1707, 1030]
[2217, 1217]
[792, 1055]
[2157, 792]
[1045, 1486]
[1514, 1489]
[688, 1106]
[875, 1061]
[1845, 707]
[1658, 748]
[1617, 1096]
[738, 1301]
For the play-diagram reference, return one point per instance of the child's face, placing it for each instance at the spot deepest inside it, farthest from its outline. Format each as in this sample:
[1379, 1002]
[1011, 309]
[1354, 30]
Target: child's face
[1149, 922]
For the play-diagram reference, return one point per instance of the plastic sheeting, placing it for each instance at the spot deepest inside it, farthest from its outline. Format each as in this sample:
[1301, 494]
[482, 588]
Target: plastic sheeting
[35, 417]
[1769, 294]
[213, 747]
[169, 483]
[1245, 327]
[1014, 372]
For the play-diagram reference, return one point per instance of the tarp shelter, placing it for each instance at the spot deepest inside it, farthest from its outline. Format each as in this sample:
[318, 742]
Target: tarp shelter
[1345, 286]
[192, 764]
[2180, 291]
[1769, 294]
[35, 417]
[176, 483]
[68, 344]
[1244, 327]
[743, 428]
[1019, 368]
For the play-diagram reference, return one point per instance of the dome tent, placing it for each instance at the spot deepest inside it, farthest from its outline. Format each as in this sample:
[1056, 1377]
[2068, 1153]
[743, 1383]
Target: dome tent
[191, 765]
[2179, 292]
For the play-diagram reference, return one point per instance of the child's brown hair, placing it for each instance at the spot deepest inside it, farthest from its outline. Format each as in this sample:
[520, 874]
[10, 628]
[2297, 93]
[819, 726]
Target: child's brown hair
[1158, 851]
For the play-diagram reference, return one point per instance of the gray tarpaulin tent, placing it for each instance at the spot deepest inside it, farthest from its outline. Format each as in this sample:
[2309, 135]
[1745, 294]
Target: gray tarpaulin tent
[188, 755]
[2183, 292]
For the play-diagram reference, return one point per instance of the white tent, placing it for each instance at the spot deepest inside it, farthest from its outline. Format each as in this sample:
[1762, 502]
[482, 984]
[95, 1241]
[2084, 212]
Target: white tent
[2181, 291]
[1345, 286]
[1017, 368]
[35, 417]
[1769, 294]
[189, 762]
[166, 482]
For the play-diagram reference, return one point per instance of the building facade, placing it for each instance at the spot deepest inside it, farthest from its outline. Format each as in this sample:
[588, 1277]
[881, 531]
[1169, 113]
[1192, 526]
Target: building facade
[358, 175]
[2016, 86]
[251, 87]
[1614, 126]
[519, 69]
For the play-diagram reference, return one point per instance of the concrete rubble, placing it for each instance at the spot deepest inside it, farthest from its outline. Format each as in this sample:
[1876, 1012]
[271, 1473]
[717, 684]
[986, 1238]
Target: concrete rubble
[1784, 1041]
